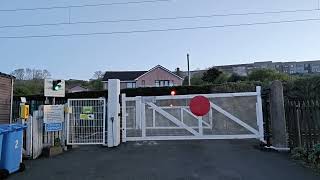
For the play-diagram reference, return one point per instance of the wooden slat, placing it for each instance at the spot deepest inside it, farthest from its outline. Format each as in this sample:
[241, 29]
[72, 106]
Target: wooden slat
[316, 119]
[5, 99]
[307, 112]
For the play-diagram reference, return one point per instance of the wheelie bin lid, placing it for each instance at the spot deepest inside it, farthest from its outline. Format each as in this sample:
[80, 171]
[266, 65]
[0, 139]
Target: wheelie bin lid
[3, 130]
[12, 127]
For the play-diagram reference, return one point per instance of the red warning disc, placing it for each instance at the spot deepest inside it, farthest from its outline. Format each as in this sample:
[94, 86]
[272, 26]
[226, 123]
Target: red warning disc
[199, 105]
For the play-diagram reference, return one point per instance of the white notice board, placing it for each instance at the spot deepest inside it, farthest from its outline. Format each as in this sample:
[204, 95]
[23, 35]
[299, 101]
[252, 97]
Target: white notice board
[53, 113]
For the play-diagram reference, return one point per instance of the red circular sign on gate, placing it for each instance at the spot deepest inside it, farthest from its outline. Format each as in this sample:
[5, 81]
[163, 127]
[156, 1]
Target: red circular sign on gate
[199, 105]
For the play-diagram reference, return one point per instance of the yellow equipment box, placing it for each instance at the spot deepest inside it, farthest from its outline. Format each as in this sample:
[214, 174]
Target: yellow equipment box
[24, 111]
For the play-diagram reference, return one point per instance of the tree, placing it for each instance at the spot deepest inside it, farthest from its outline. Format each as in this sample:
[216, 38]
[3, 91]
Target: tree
[28, 74]
[19, 74]
[195, 80]
[28, 87]
[95, 85]
[21, 91]
[98, 75]
[222, 78]
[185, 81]
[37, 74]
[303, 87]
[46, 74]
[267, 75]
[235, 78]
[211, 75]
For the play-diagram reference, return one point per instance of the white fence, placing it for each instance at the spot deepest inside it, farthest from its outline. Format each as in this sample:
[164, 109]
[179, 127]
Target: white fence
[231, 116]
[36, 137]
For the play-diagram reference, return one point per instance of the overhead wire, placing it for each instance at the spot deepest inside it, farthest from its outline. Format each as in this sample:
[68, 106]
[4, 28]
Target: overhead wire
[144, 19]
[83, 5]
[158, 30]
[157, 19]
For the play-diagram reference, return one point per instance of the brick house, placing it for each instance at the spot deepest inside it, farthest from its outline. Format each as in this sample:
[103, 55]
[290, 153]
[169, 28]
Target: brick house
[155, 77]
[6, 95]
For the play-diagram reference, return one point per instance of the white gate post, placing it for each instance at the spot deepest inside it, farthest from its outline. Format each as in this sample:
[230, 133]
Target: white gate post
[138, 112]
[260, 113]
[124, 117]
[113, 112]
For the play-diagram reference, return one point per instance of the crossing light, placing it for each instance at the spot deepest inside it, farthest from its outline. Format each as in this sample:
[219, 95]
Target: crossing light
[173, 93]
[56, 85]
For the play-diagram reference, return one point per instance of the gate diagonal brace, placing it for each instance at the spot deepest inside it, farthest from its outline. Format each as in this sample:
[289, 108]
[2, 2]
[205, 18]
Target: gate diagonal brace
[199, 119]
[173, 119]
[235, 119]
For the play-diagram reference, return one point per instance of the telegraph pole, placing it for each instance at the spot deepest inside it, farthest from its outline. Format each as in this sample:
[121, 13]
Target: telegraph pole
[189, 78]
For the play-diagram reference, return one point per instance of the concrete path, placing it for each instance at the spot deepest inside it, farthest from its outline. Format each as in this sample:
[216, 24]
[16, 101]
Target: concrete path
[176, 160]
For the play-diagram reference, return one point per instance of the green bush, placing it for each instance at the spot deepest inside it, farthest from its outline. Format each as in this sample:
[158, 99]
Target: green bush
[57, 142]
[311, 158]
[267, 75]
[299, 153]
[303, 87]
[222, 78]
[314, 156]
[228, 87]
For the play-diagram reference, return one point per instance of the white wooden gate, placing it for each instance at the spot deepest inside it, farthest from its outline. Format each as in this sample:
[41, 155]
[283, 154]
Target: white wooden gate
[86, 121]
[231, 116]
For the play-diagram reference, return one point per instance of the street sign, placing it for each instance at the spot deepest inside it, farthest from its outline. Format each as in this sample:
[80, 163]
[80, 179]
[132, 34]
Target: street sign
[53, 113]
[54, 88]
[52, 127]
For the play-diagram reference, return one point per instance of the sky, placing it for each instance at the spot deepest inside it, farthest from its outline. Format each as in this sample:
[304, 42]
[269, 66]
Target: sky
[78, 57]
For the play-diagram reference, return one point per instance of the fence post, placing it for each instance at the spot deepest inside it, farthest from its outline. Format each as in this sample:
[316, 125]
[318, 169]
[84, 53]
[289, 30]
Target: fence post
[297, 106]
[259, 113]
[124, 117]
[113, 137]
[277, 112]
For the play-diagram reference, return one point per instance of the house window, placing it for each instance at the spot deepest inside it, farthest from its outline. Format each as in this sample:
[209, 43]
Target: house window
[131, 85]
[162, 83]
[143, 83]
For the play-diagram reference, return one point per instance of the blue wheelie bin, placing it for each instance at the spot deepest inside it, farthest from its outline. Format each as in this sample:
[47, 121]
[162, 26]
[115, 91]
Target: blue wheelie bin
[1, 138]
[2, 132]
[11, 155]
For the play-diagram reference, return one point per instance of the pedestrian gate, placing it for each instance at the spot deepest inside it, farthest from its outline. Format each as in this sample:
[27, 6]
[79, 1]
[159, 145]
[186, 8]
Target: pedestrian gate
[231, 116]
[86, 121]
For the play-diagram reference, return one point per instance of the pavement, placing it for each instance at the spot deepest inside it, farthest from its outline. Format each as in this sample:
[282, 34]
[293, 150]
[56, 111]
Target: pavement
[162, 160]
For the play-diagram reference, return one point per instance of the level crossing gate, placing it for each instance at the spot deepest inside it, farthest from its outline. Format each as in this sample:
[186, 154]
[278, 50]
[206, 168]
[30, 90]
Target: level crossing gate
[231, 116]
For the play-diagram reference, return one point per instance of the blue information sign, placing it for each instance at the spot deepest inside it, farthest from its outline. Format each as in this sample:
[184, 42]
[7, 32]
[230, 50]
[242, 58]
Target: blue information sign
[51, 127]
